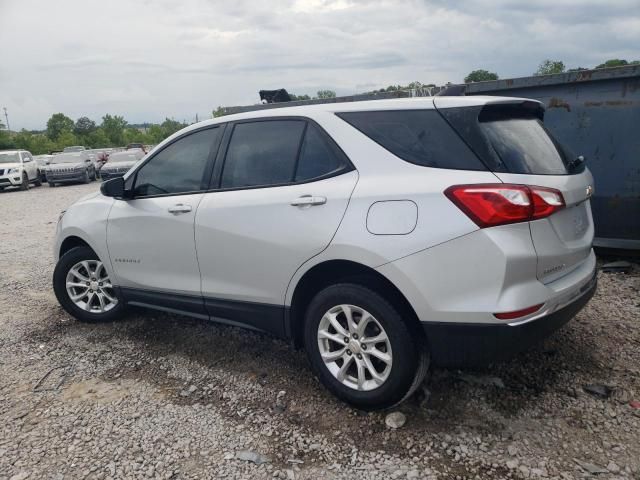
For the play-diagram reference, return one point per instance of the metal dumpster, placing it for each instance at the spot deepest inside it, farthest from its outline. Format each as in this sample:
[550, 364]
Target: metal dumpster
[597, 114]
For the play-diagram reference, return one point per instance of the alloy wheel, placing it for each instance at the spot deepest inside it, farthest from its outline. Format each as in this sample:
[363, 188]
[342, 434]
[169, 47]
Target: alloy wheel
[89, 287]
[354, 347]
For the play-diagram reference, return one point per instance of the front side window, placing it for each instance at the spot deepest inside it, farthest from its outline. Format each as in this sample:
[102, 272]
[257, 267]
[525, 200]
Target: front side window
[178, 168]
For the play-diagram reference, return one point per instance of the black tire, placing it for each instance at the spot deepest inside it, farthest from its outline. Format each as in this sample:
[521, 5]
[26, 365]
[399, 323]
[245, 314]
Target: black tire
[94, 176]
[25, 182]
[86, 178]
[38, 182]
[65, 263]
[410, 360]
[51, 184]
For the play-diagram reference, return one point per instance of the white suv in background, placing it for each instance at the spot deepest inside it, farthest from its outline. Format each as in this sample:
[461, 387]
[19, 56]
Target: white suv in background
[377, 235]
[18, 169]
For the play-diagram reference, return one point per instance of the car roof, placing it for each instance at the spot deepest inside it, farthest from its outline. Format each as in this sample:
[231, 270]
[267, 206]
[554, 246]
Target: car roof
[11, 151]
[416, 103]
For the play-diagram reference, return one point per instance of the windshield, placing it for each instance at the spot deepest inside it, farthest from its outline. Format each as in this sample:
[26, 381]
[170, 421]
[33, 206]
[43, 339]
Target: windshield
[123, 157]
[524, 145]
[66, 159]
[9, 157]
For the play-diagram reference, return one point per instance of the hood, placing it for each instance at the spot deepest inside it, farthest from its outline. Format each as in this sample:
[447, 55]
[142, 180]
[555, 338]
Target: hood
[87, 197]
[65, 166]
[118, 165]
[7, 166]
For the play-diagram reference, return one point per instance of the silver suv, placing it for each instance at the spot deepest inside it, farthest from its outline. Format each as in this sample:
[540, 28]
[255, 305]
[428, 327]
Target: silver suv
[378, 235]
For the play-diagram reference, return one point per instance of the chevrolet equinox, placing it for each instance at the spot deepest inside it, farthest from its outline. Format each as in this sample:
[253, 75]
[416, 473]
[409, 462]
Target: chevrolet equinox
[380, 236]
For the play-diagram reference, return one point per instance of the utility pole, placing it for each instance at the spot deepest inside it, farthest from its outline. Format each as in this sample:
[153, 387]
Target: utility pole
[6, 115]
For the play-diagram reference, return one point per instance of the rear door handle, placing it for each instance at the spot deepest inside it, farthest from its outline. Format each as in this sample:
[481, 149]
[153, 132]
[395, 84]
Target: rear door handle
[308, 200]
[179, 208]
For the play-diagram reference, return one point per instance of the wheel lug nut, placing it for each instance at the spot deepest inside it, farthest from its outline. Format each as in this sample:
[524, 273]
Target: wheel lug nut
[348, 352]
[355, 335]
[359, 356]
[100, 284]
[364, 347]
[88, 283]
[346, 339]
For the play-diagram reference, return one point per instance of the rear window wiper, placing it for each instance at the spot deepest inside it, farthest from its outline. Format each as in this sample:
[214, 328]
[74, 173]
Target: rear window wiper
[575, 163]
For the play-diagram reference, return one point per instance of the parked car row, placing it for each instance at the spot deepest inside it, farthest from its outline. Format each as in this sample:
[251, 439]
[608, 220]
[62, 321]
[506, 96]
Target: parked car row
[18, 168]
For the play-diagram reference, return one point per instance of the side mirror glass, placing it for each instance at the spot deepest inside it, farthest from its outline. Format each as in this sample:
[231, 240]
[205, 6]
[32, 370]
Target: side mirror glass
[114, 188]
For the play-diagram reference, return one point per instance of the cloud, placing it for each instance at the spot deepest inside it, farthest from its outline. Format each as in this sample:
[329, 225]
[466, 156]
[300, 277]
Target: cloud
[157, 58]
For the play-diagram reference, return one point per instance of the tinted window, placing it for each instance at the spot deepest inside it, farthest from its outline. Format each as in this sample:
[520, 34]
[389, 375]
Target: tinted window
[523, 145]
[318, 156]
[422, 137]
[179, 167]
[262, 153]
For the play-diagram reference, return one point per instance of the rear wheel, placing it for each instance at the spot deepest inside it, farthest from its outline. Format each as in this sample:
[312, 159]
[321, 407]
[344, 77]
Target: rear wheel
[360, 347]
[25, 182]
[83, 287]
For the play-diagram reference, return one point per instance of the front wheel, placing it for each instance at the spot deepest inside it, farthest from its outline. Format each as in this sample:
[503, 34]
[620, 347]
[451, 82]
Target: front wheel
[83, 287]
[25, 182]
[86, 178]
[38, 182]
[360, 347]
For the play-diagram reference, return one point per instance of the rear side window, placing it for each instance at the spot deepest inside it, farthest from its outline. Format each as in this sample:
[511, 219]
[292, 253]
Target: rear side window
[262, 153]
[421, 137]
[279, 152]
[318, 157]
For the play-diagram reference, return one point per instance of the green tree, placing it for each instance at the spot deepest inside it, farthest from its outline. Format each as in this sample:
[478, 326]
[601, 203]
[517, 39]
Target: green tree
[295, 97]
[36, 143]
[66, 139]
[113, 127]
[218, 112]
[84, 126]
[326, 94]
[480, 76]
[57, 124]
[549, 67]
[170, 126]
[5, 140]
[616, 62]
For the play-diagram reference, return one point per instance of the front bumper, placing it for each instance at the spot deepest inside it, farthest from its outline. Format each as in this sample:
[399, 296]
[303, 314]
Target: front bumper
[65, 178]
[12, 180]
[477, 344]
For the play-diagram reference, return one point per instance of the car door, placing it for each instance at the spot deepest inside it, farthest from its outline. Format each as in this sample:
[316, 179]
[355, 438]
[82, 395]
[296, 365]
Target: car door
[281, 189]
[150, 236]
[30, 166]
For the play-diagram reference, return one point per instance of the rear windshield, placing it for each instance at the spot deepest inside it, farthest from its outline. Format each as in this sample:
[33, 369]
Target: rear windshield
[511, 139]
[421, 137]
[523, 144]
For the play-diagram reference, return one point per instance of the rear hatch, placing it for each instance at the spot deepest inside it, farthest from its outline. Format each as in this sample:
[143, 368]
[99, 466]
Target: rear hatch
[509, 137]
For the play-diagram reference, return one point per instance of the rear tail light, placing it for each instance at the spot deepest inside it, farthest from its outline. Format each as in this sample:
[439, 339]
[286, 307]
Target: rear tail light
[489, 205]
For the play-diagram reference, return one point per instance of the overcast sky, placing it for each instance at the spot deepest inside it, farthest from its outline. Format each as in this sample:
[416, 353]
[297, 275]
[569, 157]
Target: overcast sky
[151, 59]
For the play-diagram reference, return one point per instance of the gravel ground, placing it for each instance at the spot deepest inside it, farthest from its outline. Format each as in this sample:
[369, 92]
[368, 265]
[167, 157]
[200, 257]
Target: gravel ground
[163, 396]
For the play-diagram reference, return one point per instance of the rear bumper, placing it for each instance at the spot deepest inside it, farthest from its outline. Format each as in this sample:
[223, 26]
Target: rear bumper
[476, 344]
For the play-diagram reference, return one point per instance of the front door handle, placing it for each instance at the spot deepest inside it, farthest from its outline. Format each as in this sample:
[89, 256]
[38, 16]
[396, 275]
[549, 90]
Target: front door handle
[179, 208]
[308, 200]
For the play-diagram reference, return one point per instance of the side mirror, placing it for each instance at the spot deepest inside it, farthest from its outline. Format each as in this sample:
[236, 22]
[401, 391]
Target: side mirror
[87, 160]
[114, 188]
